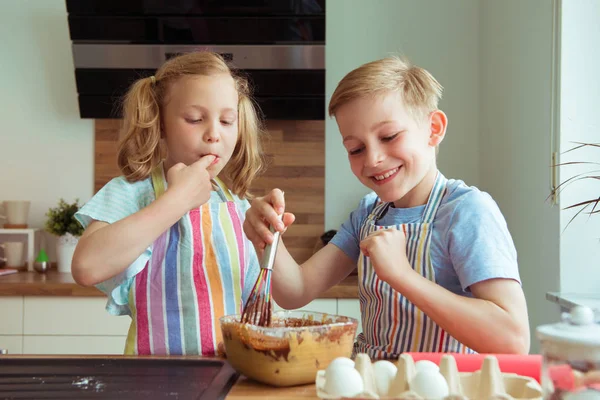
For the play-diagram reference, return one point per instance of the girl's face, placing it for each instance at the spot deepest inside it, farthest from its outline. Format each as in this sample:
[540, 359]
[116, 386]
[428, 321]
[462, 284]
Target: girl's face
[391, 151]
[200, 117]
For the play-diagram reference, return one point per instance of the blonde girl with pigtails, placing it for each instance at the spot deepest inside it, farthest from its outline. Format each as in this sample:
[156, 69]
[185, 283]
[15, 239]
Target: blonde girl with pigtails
[165, 239]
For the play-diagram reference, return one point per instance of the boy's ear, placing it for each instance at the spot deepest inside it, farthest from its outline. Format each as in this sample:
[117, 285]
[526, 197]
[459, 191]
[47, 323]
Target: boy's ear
[437, 126]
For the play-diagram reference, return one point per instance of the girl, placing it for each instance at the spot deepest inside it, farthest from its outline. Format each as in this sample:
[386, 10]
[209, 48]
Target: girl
[164, 241]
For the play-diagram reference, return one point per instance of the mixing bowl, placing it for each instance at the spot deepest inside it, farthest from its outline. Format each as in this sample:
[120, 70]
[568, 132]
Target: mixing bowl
[292, 350]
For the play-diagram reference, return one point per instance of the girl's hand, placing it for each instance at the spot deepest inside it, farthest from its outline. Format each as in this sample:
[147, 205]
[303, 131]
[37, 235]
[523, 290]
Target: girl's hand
[264, 212]
[387, 250]
[191, 183]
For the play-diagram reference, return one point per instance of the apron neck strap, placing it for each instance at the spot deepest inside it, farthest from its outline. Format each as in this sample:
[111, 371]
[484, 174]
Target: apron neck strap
[433, 203]
[158, 180]
[223, 189]
[435, 198]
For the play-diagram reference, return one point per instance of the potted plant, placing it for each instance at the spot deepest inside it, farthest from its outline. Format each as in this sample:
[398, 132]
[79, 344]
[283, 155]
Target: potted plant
[61, 222]
[590, 206]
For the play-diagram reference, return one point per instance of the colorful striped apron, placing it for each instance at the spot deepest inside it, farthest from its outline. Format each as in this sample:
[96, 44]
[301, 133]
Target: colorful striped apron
[194, 276]
[392, 324]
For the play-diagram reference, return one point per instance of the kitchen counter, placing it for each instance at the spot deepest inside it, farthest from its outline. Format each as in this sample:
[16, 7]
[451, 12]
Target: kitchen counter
[248, 389]
[54, 283]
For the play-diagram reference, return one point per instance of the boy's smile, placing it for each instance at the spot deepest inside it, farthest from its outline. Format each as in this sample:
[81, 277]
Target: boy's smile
[385, 176]
[391, 148]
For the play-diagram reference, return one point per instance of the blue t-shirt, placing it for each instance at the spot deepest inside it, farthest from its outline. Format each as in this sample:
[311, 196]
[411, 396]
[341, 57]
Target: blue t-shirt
[470, 241]
[119, 199]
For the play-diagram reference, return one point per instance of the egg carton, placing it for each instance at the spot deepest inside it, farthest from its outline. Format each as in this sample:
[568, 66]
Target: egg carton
[407, 380]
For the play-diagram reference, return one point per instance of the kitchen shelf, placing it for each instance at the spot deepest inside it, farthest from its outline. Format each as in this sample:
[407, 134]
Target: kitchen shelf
[30, 232]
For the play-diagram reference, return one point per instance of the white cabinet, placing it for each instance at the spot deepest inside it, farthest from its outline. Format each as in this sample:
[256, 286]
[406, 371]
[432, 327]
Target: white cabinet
[60, 325]
[11, 315]
[327, 306]
[71, 316]
[73, 344]
[350, 308]
[12, 343]
[81, 325]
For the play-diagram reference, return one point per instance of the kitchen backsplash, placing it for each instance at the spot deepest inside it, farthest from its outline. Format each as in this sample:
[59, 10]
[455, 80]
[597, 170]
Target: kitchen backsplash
[296, 154]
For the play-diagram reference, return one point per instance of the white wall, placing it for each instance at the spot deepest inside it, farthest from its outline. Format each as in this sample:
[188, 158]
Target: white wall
[580, 97]
[516, 115]
[46, 150]
[439, 35]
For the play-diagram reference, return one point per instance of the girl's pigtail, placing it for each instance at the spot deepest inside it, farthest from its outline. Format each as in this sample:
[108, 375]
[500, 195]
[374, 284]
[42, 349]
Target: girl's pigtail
[139, 148]
[247, 160]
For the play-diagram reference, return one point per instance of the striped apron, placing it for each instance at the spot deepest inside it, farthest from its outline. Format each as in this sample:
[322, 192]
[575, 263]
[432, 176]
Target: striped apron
[391, 324]
[194, 276]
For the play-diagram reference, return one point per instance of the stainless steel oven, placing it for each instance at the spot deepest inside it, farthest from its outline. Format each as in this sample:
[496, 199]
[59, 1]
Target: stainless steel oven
[278, 44]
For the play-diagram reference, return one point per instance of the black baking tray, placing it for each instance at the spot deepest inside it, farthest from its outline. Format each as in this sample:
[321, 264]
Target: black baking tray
[114, 378]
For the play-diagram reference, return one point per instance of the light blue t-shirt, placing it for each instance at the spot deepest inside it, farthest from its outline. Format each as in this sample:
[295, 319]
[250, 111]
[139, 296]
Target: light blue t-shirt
[470, 241]
[119, 199]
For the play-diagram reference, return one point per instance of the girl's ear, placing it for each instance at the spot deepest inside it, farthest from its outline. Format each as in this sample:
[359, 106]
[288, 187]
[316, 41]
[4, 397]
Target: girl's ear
[438, 122]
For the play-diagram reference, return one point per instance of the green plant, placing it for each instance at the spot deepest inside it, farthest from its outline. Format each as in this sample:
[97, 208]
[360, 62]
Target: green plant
[61, 220]
[591, 205]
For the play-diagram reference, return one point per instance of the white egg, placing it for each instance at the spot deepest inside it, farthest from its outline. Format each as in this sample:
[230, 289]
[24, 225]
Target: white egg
[384, 372]
[426, 365]
[340, 361]
[429, 384]
[343, 381]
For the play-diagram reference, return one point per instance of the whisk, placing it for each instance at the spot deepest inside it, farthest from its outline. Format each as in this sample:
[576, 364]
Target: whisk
[258, 309]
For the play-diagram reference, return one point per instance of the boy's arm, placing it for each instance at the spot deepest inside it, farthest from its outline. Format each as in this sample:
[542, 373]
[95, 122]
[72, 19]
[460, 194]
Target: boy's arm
[295, 285]
[496, 321]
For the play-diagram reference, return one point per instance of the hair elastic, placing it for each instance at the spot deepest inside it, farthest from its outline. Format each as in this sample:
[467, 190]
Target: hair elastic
[153, 79]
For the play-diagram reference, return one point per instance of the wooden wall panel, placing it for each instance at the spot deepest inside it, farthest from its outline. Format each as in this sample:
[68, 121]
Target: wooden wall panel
[296, 153]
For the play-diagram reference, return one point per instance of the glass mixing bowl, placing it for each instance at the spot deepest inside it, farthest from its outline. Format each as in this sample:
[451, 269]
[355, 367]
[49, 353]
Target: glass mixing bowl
[292, 350]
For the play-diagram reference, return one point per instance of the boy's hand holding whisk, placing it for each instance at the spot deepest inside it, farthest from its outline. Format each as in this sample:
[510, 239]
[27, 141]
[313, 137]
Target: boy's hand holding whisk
[266, 212]
[258, 309]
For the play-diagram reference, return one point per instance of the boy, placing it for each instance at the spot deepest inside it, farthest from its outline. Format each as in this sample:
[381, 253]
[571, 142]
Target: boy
[437, 266]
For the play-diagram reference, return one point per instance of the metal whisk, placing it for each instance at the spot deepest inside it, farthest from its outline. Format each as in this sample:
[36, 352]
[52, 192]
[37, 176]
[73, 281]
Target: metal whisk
[258, 309]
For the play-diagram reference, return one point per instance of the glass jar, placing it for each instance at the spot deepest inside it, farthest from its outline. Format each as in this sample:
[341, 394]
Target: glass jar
[571, 356]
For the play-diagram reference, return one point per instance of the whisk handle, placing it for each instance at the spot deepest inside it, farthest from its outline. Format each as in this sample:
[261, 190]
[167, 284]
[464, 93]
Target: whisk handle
[271, 250]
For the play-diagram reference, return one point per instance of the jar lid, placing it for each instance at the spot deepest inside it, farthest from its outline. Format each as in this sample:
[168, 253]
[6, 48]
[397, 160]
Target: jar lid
[577, 327]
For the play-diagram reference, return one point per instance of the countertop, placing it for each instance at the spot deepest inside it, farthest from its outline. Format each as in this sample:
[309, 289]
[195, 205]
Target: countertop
[54, 283]
[248, 389]
[569, 300]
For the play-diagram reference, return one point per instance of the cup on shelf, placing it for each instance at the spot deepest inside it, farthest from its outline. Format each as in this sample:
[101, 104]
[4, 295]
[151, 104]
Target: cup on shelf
[16, 213]
[13, 254]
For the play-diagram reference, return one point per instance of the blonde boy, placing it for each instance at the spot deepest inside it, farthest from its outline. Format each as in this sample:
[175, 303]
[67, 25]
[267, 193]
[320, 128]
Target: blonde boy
[437, 265]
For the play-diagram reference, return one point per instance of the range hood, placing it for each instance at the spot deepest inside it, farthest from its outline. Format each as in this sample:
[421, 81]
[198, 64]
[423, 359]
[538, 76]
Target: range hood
[279, 45]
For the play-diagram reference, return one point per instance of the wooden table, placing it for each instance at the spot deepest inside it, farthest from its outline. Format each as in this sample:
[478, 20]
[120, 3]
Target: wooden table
[248, 389]
[54, 283]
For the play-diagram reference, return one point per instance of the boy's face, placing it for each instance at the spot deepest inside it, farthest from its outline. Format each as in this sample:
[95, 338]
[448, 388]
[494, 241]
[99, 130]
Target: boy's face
[391, 151]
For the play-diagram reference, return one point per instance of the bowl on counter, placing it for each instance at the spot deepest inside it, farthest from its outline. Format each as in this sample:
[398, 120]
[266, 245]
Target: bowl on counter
[292, 350]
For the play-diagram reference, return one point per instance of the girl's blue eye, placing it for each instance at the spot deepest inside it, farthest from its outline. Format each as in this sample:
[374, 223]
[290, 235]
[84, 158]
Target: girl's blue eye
[354, 152]
[390, 138]
[227, 122]
[193, 121]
